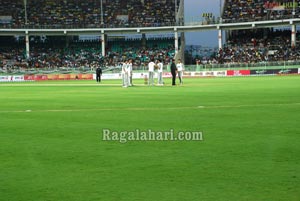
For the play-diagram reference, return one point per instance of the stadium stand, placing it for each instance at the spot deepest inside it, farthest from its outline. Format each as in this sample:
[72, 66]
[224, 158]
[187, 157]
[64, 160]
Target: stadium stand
[258, 10]
[86, 13]
[64, 53]
[249, 47]
[261, 45]
[158, 48]
[257, 45]
[56, 53]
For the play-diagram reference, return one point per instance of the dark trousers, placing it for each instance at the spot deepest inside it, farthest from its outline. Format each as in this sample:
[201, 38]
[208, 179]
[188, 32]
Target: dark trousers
[173, 78]
[98, 77]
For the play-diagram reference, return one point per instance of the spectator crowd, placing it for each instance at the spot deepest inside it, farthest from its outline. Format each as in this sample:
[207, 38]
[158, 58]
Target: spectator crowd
[243, 46]
[129, 13]
[258, 10]
[77, 54]
[261, 45]
[86, 13]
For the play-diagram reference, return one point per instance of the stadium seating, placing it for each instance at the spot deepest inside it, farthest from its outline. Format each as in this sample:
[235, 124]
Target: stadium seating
[248, 47]
[86, 13]
[83, 14]
[78, 54]
[261, 45]
[258, 46]
[257, 10]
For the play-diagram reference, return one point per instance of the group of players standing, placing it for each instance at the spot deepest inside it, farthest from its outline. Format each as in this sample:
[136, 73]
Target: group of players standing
[176, 69]
[127, 73]
[151, 67]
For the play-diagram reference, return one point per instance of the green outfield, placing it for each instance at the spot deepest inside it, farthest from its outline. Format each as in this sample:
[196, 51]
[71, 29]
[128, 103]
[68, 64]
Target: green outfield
[52, 147]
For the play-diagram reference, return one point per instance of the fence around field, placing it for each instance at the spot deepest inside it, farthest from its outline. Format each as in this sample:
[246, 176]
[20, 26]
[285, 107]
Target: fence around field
[144, 68]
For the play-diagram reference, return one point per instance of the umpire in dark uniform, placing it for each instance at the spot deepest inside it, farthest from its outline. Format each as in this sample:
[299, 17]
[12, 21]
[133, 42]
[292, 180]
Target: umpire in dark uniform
[98, 74]
[173, 71]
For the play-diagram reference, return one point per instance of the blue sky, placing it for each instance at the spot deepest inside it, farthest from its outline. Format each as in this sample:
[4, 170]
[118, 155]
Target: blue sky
[193, 10]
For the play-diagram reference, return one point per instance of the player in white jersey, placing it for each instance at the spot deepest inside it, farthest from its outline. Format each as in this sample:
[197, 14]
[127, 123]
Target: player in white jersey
[129, 71]
[151, 72]
[160, 72]
[125, 74]
[180, 69]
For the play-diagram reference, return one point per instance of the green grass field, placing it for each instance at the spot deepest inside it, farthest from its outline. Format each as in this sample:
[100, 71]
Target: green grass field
[51, 146]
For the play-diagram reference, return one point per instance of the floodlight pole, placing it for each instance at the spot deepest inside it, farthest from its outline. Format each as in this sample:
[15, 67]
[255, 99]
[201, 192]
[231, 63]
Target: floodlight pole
[220, 32]
[27, 45]
[176, 11]
[293, 35]
[176, 42]
[101, 15]
[103, 43]
[26, 32]
[294, 8]
[220, 11]
[25, 11]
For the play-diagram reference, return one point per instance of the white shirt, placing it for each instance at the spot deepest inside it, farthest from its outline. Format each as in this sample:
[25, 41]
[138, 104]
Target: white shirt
[179, 67]
[124, 68]
[160, 67]
[151, 66]
[129, 68]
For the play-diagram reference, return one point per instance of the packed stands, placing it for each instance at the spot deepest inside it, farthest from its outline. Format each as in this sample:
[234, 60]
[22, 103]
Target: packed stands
[57, 53]
[243, 46]
[257, 46]
[86, 13]
[258, 10]
[60, 53]
[12, 13]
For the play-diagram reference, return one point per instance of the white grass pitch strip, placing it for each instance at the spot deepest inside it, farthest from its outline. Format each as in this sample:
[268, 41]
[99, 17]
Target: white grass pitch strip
[201, 107]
